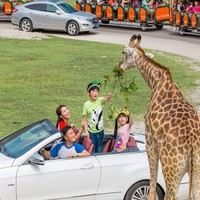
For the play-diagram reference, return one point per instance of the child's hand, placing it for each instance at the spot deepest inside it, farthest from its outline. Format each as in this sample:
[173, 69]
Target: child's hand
[87, 134]
[131, 116]
[107, 98]
[110, 95]
[72, 125]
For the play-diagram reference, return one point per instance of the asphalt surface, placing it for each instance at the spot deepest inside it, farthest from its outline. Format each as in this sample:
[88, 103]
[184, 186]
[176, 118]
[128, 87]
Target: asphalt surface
[163, 40]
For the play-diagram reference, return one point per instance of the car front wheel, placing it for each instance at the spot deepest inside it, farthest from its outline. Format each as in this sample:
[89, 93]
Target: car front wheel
[140, 191]
[26, 25]
[72, 28]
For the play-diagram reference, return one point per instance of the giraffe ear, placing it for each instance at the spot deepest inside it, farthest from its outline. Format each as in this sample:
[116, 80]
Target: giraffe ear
[150, 55]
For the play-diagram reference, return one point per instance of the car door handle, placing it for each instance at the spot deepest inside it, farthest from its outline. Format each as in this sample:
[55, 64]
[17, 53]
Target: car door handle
[87, 166]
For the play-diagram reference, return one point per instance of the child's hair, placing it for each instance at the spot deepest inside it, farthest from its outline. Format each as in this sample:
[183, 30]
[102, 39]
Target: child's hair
[116, 122]
[65, 129]
[58, 112]
[93, 85]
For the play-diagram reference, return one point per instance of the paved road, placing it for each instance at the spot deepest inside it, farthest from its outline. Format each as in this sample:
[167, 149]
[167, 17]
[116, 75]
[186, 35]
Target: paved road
[164, 40]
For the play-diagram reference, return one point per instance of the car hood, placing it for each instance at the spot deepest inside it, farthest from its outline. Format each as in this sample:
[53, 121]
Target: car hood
[84, 14]
[5, 161]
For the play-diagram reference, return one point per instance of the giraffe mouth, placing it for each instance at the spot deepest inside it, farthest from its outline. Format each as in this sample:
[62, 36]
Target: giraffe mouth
[118, 71]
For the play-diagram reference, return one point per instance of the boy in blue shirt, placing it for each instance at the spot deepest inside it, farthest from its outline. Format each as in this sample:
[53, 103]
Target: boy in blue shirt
[68, 148]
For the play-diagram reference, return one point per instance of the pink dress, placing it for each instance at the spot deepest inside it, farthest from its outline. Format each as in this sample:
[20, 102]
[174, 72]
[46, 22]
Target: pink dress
[122, 137]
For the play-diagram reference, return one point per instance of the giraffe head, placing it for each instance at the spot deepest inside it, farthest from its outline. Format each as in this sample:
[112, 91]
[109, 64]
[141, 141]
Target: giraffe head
[130, 53]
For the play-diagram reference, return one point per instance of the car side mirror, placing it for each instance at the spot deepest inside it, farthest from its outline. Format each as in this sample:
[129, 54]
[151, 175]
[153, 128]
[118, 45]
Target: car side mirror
[36, 159]
[58, 12]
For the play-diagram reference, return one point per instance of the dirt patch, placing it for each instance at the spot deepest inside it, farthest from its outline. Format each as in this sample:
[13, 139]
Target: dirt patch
[17, 34]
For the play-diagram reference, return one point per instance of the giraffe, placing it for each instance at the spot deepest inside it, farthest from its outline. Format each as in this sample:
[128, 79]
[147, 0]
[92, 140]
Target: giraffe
[172, 125]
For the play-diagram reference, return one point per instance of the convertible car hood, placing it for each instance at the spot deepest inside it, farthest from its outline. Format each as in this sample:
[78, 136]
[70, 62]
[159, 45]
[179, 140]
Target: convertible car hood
[5, 161]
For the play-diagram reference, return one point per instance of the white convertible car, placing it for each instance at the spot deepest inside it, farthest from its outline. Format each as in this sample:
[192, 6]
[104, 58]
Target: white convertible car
[24, 174]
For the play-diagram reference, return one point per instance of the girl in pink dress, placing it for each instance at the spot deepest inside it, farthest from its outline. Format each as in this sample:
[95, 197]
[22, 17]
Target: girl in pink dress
[123, 125]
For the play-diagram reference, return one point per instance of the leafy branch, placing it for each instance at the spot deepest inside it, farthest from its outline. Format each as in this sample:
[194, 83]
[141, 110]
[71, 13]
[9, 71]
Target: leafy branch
[125, 86]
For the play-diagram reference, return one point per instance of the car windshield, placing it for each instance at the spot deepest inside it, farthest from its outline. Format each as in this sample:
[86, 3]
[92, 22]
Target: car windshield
[23, 140]
[66, 8]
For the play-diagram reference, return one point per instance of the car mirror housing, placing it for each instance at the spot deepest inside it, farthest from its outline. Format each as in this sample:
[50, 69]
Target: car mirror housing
[36, 159]
[58, 12]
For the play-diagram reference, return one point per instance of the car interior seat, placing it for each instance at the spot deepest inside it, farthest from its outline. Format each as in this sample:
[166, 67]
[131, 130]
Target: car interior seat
[131, 142]
[109, 145]
[88, 145]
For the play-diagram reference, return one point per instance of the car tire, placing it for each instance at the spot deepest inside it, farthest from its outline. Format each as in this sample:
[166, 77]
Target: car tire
[159, 26]
[72, 28]
[105, 21]
[140, 190]
[26, 25]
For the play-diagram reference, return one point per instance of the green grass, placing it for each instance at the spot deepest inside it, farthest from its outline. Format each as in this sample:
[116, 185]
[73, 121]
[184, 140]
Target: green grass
[38, 75]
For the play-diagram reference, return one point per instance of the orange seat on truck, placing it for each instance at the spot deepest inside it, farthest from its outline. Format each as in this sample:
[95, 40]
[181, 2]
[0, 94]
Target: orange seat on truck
[185, 19]
[109, 12]
[194, 21]
[120, 13]
[78, 6]
[8, 8]
[162, 13]
[88, 8]
[143, 15]
[131, 14]
[178, 18]
[98, 11]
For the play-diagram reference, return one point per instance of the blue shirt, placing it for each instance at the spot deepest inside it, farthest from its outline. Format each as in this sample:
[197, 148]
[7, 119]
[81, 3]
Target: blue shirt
[144, 4]
[62, 151]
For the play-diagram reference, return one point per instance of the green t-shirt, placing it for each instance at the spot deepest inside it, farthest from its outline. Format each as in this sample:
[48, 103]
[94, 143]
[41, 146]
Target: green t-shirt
[94, 113]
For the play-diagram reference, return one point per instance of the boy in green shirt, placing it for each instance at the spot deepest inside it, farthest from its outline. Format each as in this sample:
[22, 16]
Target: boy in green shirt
[93, 115]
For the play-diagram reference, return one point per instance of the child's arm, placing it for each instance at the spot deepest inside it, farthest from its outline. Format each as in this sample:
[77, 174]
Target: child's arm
[84, 125]
[45, 154]
[131, 121]
[107, 98]
[78, 132]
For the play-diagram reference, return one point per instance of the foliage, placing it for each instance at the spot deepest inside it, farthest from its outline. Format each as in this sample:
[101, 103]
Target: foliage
[120, 84]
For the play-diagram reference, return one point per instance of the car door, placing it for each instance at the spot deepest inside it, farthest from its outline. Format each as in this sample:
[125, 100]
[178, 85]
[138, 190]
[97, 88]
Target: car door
[36, 14]
[119, 172]
[54, 21]
[73, 178]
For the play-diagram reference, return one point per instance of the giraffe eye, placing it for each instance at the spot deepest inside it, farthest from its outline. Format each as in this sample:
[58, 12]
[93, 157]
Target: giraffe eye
[123, 52]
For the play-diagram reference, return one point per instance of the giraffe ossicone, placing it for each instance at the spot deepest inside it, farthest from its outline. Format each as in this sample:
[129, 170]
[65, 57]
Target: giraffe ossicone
[172, 125]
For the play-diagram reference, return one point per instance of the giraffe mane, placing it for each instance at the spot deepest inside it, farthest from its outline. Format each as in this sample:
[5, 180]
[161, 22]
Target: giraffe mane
[158, 65]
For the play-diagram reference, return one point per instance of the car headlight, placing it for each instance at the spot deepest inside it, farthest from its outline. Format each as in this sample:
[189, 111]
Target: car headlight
[83, 19]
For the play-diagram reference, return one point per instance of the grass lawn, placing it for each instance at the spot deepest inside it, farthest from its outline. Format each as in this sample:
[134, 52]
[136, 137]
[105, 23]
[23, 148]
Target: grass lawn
[38, 75]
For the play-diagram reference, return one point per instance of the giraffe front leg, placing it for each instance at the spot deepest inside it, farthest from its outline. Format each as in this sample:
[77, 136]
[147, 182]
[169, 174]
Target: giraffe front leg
[152, 154]
[173, 171]
[196, 177]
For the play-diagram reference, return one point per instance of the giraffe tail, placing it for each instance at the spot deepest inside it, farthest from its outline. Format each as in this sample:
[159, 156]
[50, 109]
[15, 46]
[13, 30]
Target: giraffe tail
[191, 172]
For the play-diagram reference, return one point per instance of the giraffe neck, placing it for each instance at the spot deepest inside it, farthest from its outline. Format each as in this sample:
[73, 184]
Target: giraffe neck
[151, 71]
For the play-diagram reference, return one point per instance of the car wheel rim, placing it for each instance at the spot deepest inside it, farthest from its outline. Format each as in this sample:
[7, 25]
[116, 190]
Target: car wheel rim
[72, 29]
[26, 26]
[141, 193]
